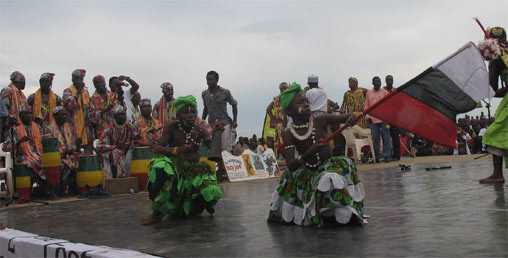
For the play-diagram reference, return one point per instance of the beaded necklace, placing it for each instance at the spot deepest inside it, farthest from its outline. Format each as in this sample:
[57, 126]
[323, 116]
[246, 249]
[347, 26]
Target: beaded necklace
[311, 132]
[188, 135]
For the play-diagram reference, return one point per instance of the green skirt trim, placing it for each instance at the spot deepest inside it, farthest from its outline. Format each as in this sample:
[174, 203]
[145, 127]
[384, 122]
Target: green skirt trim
[497, 133]
[188, 189]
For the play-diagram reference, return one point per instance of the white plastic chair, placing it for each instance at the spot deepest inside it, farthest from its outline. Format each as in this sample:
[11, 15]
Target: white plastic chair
[356, 144]
[6, 174]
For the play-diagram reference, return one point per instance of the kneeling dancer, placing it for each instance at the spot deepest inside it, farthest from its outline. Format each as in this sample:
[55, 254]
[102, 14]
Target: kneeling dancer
[317, 188]
[179, 184]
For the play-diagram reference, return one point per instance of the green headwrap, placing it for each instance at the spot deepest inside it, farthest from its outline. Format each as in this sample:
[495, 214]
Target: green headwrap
[498, 33]
[288, 95]
[182, 102]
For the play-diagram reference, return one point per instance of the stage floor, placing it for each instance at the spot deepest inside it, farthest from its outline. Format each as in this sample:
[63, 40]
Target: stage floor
[417, 213]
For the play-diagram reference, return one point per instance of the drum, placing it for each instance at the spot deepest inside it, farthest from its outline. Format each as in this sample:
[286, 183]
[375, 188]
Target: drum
[23, 182]
[51, 160]
[141, 157]
[89, 173]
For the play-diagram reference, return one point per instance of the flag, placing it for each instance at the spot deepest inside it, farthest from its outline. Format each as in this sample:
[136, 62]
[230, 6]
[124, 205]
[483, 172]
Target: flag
[428, 104]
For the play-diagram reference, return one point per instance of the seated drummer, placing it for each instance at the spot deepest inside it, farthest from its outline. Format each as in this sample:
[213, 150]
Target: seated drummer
[63, 130]
[27, 144]
[148, 129]
[179, 184]
[117, 142]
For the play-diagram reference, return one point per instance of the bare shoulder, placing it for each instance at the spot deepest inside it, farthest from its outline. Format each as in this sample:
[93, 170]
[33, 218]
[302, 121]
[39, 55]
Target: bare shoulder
[330, 118]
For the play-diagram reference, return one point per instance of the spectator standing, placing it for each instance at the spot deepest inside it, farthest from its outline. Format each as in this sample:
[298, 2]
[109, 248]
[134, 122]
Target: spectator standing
[380, 130]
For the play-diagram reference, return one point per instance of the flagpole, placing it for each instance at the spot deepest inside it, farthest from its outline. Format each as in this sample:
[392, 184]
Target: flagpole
[483, 28]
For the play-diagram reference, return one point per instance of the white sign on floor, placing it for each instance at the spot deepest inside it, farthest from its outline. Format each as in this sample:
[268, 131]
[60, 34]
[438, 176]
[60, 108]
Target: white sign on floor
[250, 165]
[19, 244]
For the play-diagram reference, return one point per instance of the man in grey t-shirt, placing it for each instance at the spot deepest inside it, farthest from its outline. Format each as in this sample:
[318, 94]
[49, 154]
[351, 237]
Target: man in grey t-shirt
[215, 100]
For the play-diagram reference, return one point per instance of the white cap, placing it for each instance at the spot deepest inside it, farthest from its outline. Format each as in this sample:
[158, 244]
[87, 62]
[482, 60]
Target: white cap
[313, 79]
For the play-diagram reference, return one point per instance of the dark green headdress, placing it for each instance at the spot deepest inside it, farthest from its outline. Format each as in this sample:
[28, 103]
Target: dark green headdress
[182, 102]
[288, 95]
[498, 33]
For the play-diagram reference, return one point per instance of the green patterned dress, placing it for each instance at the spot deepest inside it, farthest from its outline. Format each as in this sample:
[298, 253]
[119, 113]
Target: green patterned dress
[184, 188]
[496, 136]
[331, 193]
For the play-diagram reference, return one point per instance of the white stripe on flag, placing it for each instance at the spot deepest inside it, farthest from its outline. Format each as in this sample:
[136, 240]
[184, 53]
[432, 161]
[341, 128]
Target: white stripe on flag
[466, 68]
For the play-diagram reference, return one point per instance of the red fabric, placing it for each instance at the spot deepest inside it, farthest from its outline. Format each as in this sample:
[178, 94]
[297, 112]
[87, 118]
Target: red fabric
[406, 112]
[142, 181]
[31, 149]
[371, 98]
[53, 175]
[24, 195]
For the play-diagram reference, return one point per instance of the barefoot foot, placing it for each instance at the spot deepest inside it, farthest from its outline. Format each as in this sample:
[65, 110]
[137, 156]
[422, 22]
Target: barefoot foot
[492, 180]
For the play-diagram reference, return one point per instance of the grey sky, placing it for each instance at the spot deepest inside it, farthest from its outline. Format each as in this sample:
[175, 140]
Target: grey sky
[254, 45]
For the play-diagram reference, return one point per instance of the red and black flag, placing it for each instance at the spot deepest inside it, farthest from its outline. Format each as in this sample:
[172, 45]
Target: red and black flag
[428, 104]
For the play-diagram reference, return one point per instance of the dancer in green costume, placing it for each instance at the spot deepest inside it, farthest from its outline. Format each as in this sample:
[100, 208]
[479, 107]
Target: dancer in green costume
[496, 137]
[179, 185]
[317, 188]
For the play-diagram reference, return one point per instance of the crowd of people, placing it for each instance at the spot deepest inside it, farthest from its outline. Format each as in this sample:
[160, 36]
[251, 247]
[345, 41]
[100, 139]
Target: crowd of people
[109, 123]
[470, 134]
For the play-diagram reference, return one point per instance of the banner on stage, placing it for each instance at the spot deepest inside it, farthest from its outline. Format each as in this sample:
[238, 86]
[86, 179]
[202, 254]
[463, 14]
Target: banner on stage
[250, 165]
[235, 166]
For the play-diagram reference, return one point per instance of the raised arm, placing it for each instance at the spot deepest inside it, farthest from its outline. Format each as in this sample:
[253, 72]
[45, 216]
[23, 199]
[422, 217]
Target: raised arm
[134, 85]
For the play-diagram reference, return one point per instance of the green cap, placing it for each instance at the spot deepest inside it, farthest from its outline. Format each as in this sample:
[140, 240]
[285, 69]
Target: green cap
[288, 95]
[182, 102]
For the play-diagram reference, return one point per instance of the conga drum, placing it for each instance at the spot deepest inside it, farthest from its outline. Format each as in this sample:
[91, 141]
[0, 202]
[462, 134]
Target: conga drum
[51, 160]
[89, 173]
[23, 182]
[141, 157]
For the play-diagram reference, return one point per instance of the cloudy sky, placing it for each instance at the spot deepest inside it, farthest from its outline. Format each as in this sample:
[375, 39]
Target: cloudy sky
[254, 45]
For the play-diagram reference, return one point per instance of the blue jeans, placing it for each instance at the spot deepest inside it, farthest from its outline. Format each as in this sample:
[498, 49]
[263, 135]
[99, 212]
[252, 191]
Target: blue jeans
[380, 130]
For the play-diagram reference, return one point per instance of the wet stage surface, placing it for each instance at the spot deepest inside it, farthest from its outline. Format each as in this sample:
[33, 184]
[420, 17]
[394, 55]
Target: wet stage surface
[416, 213]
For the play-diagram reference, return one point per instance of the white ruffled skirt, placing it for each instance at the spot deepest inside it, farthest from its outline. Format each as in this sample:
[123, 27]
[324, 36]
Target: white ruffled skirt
[332, 193]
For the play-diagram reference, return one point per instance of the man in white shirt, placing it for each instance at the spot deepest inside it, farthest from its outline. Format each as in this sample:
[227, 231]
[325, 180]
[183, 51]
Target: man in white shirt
[318, 100]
